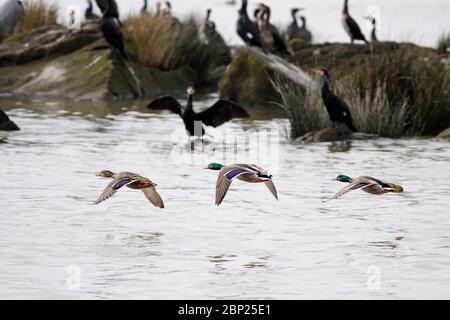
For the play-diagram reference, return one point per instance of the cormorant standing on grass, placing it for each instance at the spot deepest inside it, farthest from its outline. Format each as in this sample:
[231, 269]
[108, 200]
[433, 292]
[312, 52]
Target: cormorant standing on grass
[247, 29]
[111, 29]
[350, 25]
[89, 14]
[222, 111]
[337, 109]
[6, 124]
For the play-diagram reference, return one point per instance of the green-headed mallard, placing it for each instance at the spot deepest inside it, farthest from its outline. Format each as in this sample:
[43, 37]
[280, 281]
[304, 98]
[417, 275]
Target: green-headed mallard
[132, 181]
[245, 172]
[367, 184]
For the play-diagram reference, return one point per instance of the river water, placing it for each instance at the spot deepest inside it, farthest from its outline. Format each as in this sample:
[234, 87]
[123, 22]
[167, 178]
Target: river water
[55, 244]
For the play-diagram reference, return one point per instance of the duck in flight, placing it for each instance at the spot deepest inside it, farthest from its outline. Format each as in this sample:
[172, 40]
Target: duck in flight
[221, 112]
[366, 184]
[132, 181]
[249, 173]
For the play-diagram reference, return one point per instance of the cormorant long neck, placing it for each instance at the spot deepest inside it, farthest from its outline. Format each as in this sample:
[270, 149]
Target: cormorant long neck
[144, 8]
[90, 6]
[303, 23]
[374, 32]
[294, 18]
[190, 105]
[208, 15]
[326, 85]
[243, 9]
[108, 12]
[345, 10]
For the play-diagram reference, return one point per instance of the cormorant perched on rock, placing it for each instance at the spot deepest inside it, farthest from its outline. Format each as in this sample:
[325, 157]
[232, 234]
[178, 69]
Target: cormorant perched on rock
[10, 13]
[247, 29]
[270, 36]
[305, 34]
[350, 25]
[208, 29]
[293, 29]
[89, 13]
[144, 8]
[215, 41]
[6, 124]
[373, 34]
[336, 107]
[112, 31]
[222, 111]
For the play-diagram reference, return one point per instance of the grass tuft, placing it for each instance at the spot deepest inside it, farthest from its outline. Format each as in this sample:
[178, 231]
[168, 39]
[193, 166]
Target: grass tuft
[164, 43]
[38, 13]
[396, 93]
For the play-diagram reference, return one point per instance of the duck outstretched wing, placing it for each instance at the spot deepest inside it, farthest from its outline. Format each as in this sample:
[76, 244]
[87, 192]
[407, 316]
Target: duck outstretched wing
[271, 186]
[166, 103]
[226, 176]
[356, 185]
[113, 187]
[153, 196]
[222, 111]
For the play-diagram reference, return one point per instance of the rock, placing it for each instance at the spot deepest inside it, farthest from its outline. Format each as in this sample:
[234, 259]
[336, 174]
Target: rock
[333, 135]
[248, 77]
[6, 124]
[54, 61]
[46, 41]
[444, 135]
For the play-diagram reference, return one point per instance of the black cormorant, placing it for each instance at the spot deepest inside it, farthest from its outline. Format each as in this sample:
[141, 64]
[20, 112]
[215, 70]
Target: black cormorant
[305, 34]
[6, 124]
[247, 29]
[221, 112]
[89, 14]
[271, 38]
[350, 25]
[112, 31]
[293, 28]
[144, 8]
[215, 41]
[373, 34]
[336, 107]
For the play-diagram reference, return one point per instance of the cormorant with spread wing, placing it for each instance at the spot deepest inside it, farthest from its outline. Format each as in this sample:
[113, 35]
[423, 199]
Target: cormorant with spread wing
[222, 111]
[337, 109]
[350, 25]
[111, 29]
[247, 29]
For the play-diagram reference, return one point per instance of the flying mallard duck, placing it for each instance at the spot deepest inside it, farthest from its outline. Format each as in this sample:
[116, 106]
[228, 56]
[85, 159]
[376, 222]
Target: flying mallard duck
[367, 184]
[244, 172]
[132, 181]
[222, 111]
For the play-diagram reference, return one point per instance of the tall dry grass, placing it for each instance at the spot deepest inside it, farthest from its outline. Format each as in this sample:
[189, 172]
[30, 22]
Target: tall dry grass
[165, 43]
[394, 94]
[37, 13]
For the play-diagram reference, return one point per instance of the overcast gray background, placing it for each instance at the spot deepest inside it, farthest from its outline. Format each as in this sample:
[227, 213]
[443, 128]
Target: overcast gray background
[421, 22]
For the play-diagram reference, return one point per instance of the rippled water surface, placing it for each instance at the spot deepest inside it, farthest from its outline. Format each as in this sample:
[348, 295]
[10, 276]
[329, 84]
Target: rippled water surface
[250, 247]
